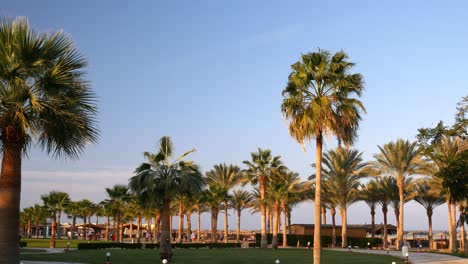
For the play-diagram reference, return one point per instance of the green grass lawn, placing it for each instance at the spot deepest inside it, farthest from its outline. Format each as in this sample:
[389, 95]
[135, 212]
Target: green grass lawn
[29, 250]
[204, 256]
[59, 243]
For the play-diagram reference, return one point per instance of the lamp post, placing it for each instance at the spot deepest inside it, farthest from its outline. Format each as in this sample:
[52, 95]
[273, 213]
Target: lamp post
[407, 257]
[108, 254]
[277, 261]
[388, 251]
[68, 245]
[164, 261]
[420, 247]
[368, 245]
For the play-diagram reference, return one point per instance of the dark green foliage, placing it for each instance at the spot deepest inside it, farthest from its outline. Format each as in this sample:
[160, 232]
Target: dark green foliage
[455, 176]
[23, 244]
[292, 240]
[84, 246]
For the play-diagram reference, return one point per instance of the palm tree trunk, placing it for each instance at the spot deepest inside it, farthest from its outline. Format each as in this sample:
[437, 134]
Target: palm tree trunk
[289, 220]
[119, 227]
[10, 190]
[429, 220]
[318, 202]
[73, 227]
[107, 227]
[52, 231]
[344, 227]
[165, 250]
[131, 230]
[263, 241]
[276, 215]
[181, 222]
[198, 222]
[449, 208]
[29, 229]
[324, 215]
[285, 234]
[463, 238]
[157, 224]
[85, 235]
[385, 230]
[226, 222]
[58, 222]
[373, 221]
[214, 225]
[270, 221]
[454, 227]
[189, 225]
[238, 225]
[170, 229]
[333, 213]
[401, 187]
[37, 229]
[138, 234]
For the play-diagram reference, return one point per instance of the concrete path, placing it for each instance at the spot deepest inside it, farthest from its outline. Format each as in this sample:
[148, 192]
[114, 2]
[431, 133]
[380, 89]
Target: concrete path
[426, 258]
[47, 251]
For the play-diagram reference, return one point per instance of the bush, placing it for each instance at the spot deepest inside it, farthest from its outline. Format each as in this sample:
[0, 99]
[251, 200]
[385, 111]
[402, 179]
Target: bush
[292, 240]
[84, 246]
[23, 244]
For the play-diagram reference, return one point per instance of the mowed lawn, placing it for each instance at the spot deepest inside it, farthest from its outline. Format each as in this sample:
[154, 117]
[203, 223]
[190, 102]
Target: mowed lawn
[204, 256]
[59, 243]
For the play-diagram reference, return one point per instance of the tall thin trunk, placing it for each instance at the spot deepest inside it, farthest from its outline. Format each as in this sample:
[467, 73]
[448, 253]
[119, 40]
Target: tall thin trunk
[119, 227]
[165, 250]
[238, 225]
[29, 229]
[157, 223]
[333, 213]
[85, 235]
[226, 222]
[463, 238]
[276, 215]
[289, 220]
[138, 234]
[385, 230]
[429, 220]
[73, 227]
[10, 192]
[344, 227]
[454, 227]
[58, 222]
[148, 229]
[189, 225]
[324, 215]
[401, 188]
[37, 230]
[263, 241]
[268, 222]
[181, 222]
[198, 222]
[449, 215]
[52, 231]
[285, 234]
[318, 202]
[131, 229]
[107, 227]
[214, 225]
[170, 229]
[373, 221]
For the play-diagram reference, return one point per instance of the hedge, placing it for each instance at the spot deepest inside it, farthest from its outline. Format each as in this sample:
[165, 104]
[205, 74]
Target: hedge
[84, 246]
[23, 244]
[292, 240]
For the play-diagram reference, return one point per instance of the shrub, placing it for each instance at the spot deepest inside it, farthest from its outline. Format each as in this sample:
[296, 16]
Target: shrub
[23, 244]
[293, 239]
[84, 246]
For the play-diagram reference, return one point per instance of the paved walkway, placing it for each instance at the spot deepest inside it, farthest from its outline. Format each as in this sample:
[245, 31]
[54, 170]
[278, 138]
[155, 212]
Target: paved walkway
[426, 258]
[46, 251]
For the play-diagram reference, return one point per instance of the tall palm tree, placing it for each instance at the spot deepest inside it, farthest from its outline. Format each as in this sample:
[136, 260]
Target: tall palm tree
[118, 197]
[225, 177]
[239, 201]
[73, 210]
[399, 159]
[369, 195]
[382, 189]
[214, 196]
[27, 214]
[429, 199]
[258, 171]
[54, 202]
[107, 211]
[39, 214]
[45, 97]
[342, 169]
[321, 97]
[162, 180]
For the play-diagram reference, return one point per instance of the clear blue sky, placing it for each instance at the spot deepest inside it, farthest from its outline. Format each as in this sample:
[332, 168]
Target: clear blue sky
[210, 75]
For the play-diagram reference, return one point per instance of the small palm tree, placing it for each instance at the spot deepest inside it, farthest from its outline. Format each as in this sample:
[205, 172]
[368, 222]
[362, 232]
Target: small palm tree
[45, 97]
[86, 210]
[369, 195]
[429, 199]
[319, 100]
[38, 214]
[342, 169]
[73, 211]
[27, 214]
[239, 201]
[118, 197]
[399, 159]
[214, 196]
[226, 177]
[259, 170]
[162, 179]
[55, 202]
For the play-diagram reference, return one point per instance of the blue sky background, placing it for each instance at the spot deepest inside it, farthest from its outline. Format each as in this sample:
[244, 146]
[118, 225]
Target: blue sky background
[210, 75]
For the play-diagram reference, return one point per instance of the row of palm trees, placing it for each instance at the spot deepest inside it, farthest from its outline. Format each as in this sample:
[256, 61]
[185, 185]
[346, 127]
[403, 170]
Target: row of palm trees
[343, 171]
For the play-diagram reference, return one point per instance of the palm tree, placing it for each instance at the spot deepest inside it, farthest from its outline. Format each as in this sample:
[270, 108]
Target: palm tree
[55, 202]
[239, 201]
[73, 210]
[369, 195]
[38, 216]
[399, 159]
[226, 177]
[429, 199]
[162, 180]
[381, 189]
[118, 198]
[85, 210]
[342, 169]
[214, 196]
[44, 97]
[27, 214]
[258, 172]
[318, 100]
[107, 211]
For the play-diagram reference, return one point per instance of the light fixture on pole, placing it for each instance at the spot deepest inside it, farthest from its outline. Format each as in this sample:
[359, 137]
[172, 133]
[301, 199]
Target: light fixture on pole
[108, 254]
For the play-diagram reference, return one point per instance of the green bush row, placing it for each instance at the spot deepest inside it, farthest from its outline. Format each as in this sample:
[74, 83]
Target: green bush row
[84, 246]
[292, 240]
